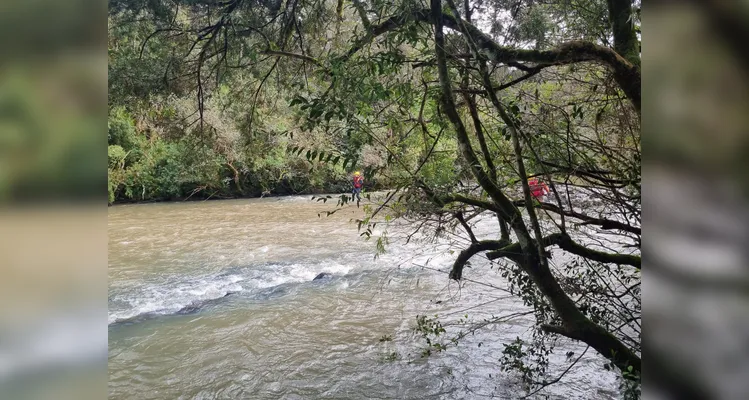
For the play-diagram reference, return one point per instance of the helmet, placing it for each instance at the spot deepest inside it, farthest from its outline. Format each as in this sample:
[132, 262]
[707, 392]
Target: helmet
[357, 173]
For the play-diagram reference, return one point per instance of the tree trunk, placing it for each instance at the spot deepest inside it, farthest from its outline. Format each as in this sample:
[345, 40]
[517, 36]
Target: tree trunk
[576, 324]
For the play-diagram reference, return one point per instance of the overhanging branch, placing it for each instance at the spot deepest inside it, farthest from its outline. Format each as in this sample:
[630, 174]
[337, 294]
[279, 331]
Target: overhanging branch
[533, 72]
[606, 224]
[292, 55]
[566, 243]
[514, 252]
[626, 74]
[459, 198]
[537, 269]
[570, 246]
[559, 330]
[485, 245]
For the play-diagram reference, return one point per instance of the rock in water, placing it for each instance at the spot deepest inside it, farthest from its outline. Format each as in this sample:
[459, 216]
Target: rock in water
[190, 309]
[322, 275]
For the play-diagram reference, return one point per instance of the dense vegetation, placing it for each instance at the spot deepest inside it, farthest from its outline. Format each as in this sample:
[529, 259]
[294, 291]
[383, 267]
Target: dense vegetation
[161, 147]
[450, 106]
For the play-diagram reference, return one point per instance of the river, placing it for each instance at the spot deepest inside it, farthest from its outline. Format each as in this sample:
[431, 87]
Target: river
[216, 300]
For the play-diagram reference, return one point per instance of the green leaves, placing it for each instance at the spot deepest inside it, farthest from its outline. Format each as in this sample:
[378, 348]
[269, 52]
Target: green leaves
[323, 199]
[430, 329]
[321, 156]
[514, 109]
[505, 132]
[320, 110]
[327, 213]
[577, 111]
[316, 111]
[599, 114]
[298, 100]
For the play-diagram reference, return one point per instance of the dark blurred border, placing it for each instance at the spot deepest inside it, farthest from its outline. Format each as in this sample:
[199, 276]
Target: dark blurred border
[696, 148]
[53, 238]
[52, 100]
[53, 219]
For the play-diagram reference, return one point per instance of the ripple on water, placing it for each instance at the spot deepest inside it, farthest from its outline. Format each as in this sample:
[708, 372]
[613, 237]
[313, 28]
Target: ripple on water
[282, 335]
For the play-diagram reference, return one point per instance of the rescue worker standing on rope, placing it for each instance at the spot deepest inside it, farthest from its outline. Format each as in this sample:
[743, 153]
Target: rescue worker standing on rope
[358, 183]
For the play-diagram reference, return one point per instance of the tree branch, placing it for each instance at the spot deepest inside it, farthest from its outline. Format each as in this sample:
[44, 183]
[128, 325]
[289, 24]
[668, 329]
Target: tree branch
[456, 272]
[459, 216]
[567, 244]
[623, 26]
[362, 14]
[606, 224]
[514, 251]
[626, 74]
[459, 198]
[559, 330]
[504, 206]
[538, 271]
[292, 55]
[587, 172]
[570, 246]
[503, 86]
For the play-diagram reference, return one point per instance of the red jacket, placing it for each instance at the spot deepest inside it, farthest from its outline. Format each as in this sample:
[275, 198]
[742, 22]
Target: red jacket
[537, 187]
[358, 181]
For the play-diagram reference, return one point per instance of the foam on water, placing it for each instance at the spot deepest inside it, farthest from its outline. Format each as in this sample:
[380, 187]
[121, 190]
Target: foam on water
[173, 295]
[63, 338]
[281, 258]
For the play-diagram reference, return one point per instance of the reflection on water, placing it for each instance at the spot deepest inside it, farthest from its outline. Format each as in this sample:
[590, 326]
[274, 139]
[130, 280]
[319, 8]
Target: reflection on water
[217, 300]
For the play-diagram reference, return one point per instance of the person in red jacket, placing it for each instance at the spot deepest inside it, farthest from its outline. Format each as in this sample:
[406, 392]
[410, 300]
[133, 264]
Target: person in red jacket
[539, 190]
[358, 183]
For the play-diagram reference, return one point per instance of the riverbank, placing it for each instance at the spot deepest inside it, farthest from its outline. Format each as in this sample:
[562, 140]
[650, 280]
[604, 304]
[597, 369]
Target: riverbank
[333, 190]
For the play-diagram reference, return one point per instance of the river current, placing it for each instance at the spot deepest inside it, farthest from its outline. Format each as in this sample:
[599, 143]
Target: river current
[216, 300]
